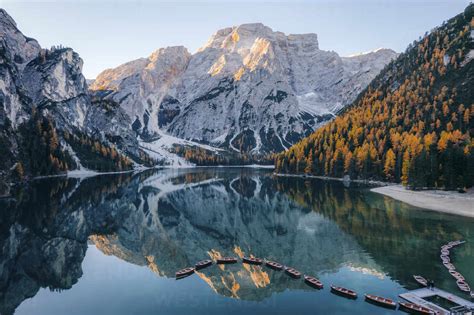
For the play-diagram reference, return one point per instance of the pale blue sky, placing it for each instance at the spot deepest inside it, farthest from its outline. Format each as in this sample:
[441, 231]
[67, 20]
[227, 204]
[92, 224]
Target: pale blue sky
[111, 32]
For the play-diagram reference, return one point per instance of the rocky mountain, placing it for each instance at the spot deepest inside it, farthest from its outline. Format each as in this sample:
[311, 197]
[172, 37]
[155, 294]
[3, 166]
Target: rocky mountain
[248, 89]
[414, 123]
[44, 98]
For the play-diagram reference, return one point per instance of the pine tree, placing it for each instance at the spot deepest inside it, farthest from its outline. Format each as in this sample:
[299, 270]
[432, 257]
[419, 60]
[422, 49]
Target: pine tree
[19, 172]
[389, 167]
[411, 124]
[309, 163]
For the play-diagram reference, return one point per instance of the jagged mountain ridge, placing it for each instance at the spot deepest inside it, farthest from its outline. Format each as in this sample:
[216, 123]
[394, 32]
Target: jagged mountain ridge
[50, 82]
[241, 91]
[248, 89]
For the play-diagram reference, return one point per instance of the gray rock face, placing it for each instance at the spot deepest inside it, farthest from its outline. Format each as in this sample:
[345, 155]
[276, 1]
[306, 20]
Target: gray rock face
[16, 51]
[106, 121]
[151, 77]
[248, 88]
[51, 81]
[42, 78]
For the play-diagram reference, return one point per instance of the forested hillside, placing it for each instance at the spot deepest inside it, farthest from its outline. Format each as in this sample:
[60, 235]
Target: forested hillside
[42, 153]
[413, 124]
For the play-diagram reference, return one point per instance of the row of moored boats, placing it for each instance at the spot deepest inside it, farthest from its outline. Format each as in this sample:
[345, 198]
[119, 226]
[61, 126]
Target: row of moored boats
[446, 259]
[309, 280]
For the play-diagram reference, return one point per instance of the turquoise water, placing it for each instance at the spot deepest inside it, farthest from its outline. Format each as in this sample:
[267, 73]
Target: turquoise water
[111, 244]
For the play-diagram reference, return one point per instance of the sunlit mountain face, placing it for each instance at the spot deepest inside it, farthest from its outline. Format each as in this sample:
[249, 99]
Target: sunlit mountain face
[166, 220]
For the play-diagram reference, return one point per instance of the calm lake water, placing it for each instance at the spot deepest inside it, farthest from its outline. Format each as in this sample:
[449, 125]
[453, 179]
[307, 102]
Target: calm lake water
[111, 244]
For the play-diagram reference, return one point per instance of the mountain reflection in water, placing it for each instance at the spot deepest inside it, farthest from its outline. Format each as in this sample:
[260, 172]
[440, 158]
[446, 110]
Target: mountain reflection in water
[170, 219]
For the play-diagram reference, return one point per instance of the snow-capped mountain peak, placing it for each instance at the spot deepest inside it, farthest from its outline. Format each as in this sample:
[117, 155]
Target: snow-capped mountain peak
[248, 89]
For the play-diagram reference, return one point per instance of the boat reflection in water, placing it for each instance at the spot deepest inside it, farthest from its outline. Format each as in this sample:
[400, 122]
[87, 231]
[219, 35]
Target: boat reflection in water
[168, 220]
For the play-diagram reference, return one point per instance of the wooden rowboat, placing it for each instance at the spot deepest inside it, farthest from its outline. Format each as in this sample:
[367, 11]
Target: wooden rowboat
[274, 265]
[226, 260]
[292, 272]
[252, 260]
[203, 264]
[421, 280]
[380, 301]
[345, 292]
[456, 243]
[415, 308]
[449, 265]
[313, 282]
[463, 286]
[445, 252]
[456, 275]
[184, 272]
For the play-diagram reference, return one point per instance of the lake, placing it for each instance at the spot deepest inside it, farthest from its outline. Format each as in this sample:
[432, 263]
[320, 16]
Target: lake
[111, 244]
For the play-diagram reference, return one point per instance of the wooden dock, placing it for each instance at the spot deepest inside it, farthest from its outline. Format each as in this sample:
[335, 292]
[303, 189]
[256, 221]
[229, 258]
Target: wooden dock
[418, 297]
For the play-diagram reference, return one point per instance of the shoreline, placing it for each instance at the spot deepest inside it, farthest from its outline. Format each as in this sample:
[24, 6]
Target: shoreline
[450, 202]
[90, 173]
[81, 174]
[339, 179]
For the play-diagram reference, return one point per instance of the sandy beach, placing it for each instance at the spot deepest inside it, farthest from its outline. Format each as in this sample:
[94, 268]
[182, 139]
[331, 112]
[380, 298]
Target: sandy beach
[437, 200]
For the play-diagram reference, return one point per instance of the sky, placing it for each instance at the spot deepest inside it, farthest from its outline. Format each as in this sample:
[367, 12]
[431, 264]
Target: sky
[110, 32]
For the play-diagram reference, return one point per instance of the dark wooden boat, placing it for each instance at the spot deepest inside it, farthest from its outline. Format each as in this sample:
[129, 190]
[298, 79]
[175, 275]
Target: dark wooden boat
[421, 280]
[343, 291]
[226, 260]
[456, 275]
[449, 265]
[313, 282]
[184, 272]
[292, 272]
[456, 243]
[415, 308]
[203, 264]
[274, 265]
[463, 286]
[252, 260]
[380, 301]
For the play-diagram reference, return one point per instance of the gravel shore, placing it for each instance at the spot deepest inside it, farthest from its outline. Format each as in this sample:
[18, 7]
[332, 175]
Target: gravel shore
[438, 200]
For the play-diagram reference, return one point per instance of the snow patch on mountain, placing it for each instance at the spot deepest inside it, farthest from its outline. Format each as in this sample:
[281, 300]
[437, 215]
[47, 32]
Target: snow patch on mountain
[160, 149]
[248, 89]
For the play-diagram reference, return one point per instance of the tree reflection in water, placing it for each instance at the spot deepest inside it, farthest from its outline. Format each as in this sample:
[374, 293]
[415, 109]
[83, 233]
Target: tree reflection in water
[171, 219]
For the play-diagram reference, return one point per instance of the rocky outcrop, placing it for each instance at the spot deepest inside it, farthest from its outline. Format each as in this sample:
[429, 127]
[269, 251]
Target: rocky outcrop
[41, 78]
[50, 82]
[247, 89]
